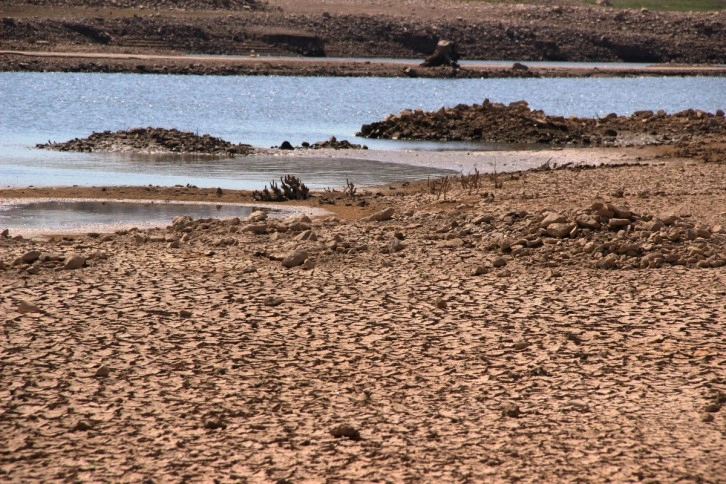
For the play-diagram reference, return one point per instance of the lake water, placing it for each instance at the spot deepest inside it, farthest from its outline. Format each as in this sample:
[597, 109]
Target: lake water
[264, 111]
[73, 215]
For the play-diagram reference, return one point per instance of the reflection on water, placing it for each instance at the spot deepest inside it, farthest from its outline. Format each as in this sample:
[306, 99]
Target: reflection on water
[243, 173]
[91, 214]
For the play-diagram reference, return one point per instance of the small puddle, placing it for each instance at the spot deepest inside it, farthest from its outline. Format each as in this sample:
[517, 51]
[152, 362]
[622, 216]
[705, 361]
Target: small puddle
[25, 217]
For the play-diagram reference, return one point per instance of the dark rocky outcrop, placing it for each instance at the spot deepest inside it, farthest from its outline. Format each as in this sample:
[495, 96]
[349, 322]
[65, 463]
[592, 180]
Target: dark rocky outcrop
[517, 123]
[151, 140]
[445, 54]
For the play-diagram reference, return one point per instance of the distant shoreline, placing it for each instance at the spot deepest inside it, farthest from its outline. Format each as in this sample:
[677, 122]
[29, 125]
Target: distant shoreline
[95, 62]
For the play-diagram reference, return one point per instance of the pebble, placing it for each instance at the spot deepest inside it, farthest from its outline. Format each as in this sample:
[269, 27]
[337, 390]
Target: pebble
[499, 262]
[83, 426]
[103, 371]
[28, 307]
[273, 301]
[521, 345]
[345, 430]
[511, 410]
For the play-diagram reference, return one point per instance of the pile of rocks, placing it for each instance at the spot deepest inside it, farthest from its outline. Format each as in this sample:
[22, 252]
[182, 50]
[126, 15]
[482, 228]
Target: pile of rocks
[517, 123]
[334, 144]
[605, 236]
[34, 261]
[151, 140]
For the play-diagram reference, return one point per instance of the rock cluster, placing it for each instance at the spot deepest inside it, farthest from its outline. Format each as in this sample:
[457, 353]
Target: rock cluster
[334, 144]
[517, 123]
[604, 236]
[34, 261]
[151, 140]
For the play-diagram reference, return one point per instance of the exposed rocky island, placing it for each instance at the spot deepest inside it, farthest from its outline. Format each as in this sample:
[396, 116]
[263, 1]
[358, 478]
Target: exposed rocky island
[151, 140]
[517, 123]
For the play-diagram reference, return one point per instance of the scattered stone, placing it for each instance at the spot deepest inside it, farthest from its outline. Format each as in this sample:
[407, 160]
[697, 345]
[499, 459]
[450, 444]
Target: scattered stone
[712, 407]
[28, 307]
[185, 313]
[481, 270]
[707, 417]
[297, 258]
[215, 423]
[619, 222]
[552, 218]
[74, 261]
[560, 230]
[273, 301]
[382, 216]
[103, 371]
[521, 345]
[347, 431]
[83, 426]
[499, 262]
[441, 304]
[30, 257]
[511, 410]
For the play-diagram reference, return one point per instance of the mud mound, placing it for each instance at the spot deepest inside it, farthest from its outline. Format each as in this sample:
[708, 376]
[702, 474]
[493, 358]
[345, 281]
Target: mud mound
[517, 123]
[151, 140]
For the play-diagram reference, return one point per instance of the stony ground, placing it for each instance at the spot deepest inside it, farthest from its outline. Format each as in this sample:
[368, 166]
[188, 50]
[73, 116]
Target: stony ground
[406, 337]
[539, 30]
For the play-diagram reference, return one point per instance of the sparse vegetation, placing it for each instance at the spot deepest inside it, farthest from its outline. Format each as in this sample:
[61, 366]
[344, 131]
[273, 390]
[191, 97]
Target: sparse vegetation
[291, 188]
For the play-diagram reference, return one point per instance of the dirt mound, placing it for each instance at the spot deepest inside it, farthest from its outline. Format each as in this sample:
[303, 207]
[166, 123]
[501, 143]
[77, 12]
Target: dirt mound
[517, 123]
[151, 140]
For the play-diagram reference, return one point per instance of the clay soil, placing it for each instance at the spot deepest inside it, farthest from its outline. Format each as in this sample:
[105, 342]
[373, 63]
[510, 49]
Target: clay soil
[450, 339]
[545, 326]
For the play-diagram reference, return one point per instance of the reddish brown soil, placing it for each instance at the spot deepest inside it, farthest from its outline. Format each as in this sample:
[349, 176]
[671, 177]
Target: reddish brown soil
[459, 340]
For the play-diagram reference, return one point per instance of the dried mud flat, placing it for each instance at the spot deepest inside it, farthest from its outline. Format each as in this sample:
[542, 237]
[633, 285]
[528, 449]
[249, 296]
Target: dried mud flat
[418, 339]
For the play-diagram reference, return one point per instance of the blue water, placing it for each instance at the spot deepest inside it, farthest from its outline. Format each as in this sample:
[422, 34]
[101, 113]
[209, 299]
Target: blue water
[264, 111]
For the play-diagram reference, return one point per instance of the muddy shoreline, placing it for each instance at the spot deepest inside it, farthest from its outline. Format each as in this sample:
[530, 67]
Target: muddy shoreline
[94, 62]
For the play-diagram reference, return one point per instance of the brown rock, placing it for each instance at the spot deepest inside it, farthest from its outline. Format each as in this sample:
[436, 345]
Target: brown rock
[297, 258]
[499, 262]
[381, 216]
[30, 257]
[552, 218]
[345, 430]
[511, 410]
[27, 307]
[74, 261]
[560, 230]
[103, 371]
